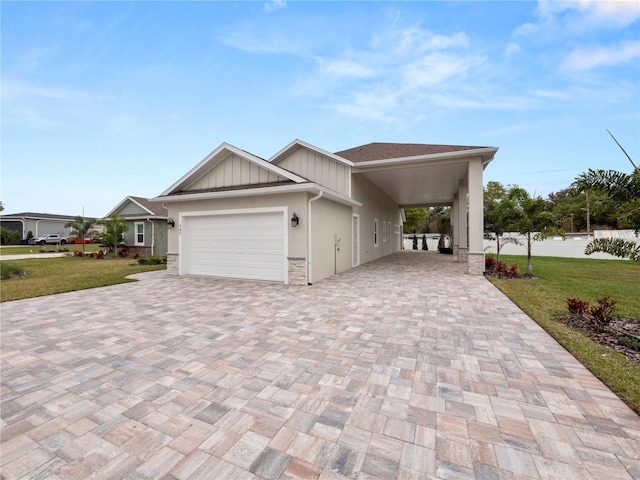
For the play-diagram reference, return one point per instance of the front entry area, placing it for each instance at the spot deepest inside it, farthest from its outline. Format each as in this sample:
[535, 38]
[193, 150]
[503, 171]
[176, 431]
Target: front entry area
[246, 244]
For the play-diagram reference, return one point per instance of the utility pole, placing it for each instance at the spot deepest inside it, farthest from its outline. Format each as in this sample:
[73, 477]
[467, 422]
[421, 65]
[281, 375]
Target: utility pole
[588, 214]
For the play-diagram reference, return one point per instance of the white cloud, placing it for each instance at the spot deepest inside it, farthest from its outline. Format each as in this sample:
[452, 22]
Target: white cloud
[274, 5]
[260, 42]
[437, 70]
[580, 16]
[394, 72]
[511, 49]
[418, 40]
[12, 89]
[587, 59]
[602, 13]
[344, 68]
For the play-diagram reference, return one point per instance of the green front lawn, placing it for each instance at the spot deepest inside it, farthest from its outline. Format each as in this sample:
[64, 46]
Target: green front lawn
[34, 249]
[46, 276]
[545, 297]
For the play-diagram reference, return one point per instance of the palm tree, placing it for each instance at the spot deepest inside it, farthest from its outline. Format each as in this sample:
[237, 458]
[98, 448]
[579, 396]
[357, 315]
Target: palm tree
[623, 191]
[81, 227]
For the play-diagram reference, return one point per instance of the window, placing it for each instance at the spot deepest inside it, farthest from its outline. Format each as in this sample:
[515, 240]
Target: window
[375, 232]
[139, 231]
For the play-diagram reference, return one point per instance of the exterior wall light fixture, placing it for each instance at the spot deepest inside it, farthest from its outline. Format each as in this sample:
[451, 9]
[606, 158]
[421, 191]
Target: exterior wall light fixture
[170, 223]
[295, 220]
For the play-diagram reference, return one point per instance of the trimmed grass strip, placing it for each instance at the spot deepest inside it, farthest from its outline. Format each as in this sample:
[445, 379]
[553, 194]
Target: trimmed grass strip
[545, 297]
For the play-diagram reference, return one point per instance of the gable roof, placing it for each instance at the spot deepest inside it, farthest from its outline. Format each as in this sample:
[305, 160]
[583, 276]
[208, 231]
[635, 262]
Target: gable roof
[301, 144]
[145, 208]
[217, 156]
[384, 151]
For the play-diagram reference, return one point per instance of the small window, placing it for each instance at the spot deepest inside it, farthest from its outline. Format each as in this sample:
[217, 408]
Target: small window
[139, 229]
[375, 232]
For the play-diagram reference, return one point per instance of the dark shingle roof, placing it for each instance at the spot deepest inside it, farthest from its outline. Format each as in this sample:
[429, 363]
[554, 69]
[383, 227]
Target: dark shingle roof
[155, 207]
[42, 216]
[380, 151]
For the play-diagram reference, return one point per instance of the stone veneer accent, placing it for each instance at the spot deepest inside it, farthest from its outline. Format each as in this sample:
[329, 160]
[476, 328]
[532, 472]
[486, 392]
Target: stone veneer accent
[463, 254]
[475, 264]
[172, 263]
[297, 270]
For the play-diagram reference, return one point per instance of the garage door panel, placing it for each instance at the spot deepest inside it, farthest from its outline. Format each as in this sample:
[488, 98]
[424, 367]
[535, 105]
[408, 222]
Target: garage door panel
[249, 246]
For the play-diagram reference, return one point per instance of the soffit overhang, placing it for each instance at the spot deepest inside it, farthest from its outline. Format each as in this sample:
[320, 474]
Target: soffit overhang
[425, 180]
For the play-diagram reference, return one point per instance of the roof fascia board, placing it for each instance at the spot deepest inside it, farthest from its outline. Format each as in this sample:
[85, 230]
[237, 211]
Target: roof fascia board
[216, 156]
[128, 199]
[299, 143]
[140, 205]
[433, 159]
[303, 187]
[146, 217]
[53, 217]
[117, 207]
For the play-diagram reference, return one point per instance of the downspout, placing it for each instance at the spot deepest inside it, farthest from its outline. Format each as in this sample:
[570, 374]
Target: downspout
[317, 197]
[153, 234]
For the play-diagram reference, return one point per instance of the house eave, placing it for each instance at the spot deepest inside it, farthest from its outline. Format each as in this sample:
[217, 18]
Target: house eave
[313, 188]
[486, 153]
[216, 156]
[145, 217]
[299, 143]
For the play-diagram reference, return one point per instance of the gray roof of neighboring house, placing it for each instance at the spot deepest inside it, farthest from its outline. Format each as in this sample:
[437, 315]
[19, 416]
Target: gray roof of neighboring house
[154, 207]
[380, 151]
[41, 216]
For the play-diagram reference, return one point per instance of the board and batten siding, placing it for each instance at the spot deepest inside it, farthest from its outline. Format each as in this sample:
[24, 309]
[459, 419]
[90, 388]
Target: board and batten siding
[131, 208]
[319, 169]
[234, 171]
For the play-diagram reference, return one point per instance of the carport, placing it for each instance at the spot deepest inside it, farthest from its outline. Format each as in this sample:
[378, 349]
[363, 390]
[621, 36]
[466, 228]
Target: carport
[420, 175]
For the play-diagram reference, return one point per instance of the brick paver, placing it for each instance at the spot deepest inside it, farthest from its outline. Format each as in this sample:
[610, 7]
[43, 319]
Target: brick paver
[400, 368]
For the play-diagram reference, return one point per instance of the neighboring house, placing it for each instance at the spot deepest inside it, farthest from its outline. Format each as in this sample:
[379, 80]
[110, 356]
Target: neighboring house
[147, 222]
[307, 214]
[37, 224]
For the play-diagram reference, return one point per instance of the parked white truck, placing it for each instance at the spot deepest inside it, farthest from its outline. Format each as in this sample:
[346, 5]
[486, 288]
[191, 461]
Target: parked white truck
[50, 238]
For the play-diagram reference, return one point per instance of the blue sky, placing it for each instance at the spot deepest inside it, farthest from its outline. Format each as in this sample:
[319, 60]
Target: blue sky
[101, 100]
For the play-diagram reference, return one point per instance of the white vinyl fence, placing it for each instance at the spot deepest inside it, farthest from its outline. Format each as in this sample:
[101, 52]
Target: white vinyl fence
[573, 246]
[515, 244]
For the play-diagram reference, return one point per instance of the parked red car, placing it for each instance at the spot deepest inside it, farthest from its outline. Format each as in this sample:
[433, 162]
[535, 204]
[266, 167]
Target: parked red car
[80, 241]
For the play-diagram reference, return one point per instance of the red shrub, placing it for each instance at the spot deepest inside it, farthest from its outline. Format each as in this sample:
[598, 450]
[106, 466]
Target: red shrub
[576, 306]
[602, 313]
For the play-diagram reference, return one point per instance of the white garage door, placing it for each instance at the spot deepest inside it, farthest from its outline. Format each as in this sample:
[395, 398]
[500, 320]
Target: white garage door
[238, 245]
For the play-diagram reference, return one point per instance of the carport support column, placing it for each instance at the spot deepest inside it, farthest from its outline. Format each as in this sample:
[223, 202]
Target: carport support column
[476, 220]
[463, 246]
[454, 224]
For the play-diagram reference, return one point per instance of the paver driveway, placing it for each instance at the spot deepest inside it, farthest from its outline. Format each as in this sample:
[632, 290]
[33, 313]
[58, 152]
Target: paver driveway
[401, 368]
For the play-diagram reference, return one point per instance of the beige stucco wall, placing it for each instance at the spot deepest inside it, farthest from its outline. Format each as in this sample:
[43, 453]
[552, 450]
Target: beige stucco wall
[295, 202]
[319, 169]
[376, 205]
[330, 221]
